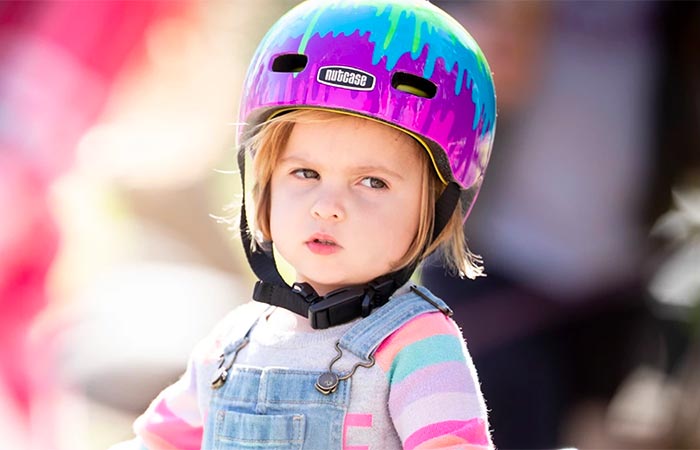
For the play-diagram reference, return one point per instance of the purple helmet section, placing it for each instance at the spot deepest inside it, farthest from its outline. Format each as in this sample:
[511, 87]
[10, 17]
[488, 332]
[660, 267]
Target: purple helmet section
[382, 38]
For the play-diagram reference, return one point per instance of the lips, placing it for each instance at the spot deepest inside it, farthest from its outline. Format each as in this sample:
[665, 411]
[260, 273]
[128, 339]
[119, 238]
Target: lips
[321, 238]
[322, 244]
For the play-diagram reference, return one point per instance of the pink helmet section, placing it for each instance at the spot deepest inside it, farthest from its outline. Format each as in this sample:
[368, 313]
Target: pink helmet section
[404, 62]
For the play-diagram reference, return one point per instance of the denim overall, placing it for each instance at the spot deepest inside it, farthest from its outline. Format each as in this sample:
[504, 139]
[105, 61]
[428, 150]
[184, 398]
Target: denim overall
[281, 409]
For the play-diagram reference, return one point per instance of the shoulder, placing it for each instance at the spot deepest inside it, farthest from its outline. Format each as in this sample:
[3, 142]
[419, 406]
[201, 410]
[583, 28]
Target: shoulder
[232, 326]
[429, 339]
[435, 400]
[434, 392]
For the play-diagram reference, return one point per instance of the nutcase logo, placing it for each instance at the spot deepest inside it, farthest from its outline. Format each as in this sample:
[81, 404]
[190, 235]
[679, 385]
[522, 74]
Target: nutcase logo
[346, 77]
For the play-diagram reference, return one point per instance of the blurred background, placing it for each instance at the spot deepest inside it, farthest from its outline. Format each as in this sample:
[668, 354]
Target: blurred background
[117, 126]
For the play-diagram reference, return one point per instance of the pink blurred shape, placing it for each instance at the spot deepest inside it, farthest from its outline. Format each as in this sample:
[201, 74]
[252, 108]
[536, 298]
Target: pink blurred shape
[58, 62]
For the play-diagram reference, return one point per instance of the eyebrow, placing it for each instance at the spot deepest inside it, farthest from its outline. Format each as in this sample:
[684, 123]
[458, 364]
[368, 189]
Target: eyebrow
[386, 170]
[294, 159]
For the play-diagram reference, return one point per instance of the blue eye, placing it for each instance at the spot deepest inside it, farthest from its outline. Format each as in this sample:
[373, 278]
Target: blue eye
[305, 173]
[374, 183]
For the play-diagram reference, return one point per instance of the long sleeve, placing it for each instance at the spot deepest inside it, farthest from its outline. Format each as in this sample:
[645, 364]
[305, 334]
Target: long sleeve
[435, 400]
[173, 421]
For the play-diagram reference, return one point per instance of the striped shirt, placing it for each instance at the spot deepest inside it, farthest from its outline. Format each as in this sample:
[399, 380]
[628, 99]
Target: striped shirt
[421, 394]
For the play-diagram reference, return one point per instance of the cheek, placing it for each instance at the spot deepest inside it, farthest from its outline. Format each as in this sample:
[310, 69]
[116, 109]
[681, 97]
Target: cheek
[285, 209]
[409, 223]
[409, 218]
[397, 224]
[277, 210]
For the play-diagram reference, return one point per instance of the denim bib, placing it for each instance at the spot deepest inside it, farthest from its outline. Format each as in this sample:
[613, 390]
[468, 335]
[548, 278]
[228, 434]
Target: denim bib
[281, 409]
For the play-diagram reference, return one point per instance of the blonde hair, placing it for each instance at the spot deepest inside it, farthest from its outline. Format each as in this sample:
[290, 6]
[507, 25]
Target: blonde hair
[267, 145]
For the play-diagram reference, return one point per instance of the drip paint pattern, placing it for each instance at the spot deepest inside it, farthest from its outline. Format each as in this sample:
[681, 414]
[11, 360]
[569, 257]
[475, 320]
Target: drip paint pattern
[404, 46]
[381, 23]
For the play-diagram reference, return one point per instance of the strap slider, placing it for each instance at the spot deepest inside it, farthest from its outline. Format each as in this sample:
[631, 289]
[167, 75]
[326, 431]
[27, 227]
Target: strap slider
[382, 284]
[306, 292]
[339, 306]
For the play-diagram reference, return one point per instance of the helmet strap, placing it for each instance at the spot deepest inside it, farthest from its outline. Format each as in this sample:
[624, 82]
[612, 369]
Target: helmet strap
[444, 208]
[262, 263]
[341, 305]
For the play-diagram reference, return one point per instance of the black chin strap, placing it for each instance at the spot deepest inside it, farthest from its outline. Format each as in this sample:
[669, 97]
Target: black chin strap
[335, 308]
[344, 304]
[262, 263]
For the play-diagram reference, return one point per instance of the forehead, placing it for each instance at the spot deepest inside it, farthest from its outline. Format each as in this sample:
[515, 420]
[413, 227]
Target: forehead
[341, 138]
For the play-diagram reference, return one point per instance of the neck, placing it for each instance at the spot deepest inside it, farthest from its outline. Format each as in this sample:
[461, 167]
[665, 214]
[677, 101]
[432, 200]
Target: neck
[285, 320]
[320, 289]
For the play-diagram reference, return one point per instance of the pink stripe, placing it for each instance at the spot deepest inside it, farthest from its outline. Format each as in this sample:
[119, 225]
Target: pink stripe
[451, 442]
[355, 420]
[155, 442]
[358, 420]
[421, 327]
[172, 429]
[472, 431]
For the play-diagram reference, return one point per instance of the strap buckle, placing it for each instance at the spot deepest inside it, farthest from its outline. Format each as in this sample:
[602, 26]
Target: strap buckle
[345, 304]
[337, 307]
[306, 292]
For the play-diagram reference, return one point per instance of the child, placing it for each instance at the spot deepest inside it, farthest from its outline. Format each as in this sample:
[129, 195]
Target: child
[370, 123]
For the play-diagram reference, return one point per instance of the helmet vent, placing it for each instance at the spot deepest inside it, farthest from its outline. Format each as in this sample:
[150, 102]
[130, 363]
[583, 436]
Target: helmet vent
[290, 62]
[414, 85]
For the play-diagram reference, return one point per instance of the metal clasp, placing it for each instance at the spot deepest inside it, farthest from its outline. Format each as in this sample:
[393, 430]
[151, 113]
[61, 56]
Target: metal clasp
[327, 382]
[221, 374]
[443, 309]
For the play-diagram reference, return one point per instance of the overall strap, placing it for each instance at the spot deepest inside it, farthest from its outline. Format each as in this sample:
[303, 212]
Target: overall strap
[363, 338]
[339, 306]
[240, 332]
[230, 352]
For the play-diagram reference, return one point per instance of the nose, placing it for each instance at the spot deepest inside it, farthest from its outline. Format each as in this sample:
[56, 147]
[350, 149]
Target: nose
[328, 206]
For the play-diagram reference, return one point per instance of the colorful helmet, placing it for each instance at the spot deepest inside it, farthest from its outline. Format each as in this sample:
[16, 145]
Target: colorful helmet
[406, 63]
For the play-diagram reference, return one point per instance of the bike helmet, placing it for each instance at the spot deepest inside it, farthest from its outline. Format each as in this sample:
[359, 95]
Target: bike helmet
[405, 63]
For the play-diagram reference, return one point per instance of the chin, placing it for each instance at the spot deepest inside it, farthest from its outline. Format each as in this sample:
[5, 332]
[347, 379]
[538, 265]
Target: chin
[329, 285]
[342, 283]
[336, 278]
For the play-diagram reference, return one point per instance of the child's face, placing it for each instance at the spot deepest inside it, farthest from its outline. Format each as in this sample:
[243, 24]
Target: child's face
[345, 201]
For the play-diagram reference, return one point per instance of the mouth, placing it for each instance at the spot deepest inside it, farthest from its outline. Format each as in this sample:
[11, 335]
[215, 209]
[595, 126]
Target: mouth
[322, 244]
[322, 239]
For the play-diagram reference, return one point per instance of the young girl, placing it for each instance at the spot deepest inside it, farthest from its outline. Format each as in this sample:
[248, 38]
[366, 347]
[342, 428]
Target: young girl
[370, 123]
